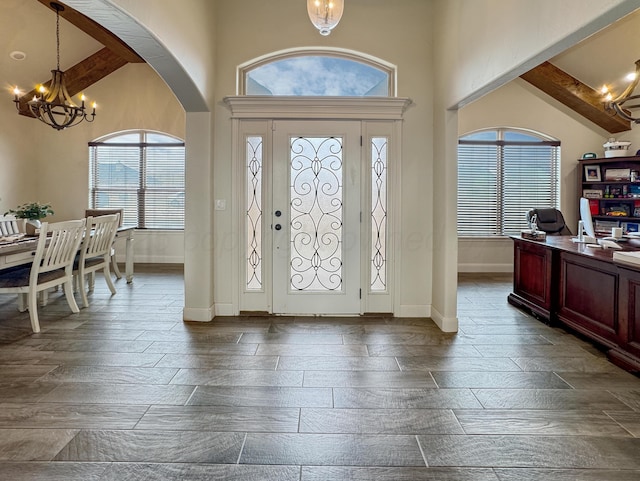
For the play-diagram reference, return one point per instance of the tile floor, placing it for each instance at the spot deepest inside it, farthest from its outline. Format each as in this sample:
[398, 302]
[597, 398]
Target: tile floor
[125, 390]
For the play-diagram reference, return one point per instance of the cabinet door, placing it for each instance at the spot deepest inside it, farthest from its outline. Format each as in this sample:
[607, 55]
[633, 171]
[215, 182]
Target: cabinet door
[629, 335]
[589, 297]
[533, 276]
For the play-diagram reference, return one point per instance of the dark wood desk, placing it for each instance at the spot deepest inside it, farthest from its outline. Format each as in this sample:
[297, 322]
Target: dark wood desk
[583, 288]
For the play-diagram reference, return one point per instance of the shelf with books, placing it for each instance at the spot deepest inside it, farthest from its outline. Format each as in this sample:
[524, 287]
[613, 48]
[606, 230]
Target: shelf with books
[612, 186]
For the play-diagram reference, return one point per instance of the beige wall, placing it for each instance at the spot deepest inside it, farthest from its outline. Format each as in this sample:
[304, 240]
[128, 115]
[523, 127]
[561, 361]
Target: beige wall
[52, 166]
[520, 105]
[481, 45]
[367, 26]
[447, 51]
[495, 41]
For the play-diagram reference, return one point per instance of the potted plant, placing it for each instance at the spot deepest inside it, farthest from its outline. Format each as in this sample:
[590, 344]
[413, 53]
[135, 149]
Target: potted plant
[32, 212]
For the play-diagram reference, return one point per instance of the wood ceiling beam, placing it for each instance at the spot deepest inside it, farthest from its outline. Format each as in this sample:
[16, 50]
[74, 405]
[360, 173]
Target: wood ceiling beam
[97, 31]
[574, 94]
[81, 75]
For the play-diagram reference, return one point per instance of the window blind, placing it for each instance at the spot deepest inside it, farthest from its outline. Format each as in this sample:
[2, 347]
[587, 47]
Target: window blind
[146, 180]
[500, 181]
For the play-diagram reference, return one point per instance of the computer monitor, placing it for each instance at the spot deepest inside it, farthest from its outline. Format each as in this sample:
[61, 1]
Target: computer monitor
[585, 217]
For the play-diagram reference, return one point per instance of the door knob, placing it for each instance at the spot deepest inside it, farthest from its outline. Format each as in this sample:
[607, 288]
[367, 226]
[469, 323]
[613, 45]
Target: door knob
[278, 227]
[278, 213]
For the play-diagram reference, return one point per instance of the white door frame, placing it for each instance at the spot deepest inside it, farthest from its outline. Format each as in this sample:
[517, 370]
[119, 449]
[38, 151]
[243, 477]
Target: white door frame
[253, 116]
[317, 270]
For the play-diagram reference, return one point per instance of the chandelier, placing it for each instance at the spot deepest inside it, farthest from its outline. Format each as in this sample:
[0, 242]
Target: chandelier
[325, 14]
[624, 103]
[55, 107]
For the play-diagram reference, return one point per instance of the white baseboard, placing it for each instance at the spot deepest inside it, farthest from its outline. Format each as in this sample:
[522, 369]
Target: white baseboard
[152, 259]
[485, 267]
[225, 310]
[446, 324]
[197, 315]
[414, 311]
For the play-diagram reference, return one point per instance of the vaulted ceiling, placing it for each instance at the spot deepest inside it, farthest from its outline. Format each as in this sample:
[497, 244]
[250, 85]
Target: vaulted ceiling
[571, 78]
[111, 57]
[576, 95]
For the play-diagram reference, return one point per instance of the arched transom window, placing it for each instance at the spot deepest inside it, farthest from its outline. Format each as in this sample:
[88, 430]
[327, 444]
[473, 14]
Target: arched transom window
[317, 73]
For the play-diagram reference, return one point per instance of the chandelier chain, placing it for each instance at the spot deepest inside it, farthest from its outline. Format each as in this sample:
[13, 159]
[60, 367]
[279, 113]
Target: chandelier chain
[54, 106]
[58, 38]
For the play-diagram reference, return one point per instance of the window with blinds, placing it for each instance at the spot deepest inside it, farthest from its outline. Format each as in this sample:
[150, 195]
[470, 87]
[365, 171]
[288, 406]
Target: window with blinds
[502, 174]
[142, 173]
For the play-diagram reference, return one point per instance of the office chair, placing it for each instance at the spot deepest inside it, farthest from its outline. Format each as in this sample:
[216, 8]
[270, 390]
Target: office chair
[549, 220]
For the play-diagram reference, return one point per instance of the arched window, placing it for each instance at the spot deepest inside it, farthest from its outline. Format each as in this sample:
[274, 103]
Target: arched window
[141, 172]
[324, 72]
[502, 174]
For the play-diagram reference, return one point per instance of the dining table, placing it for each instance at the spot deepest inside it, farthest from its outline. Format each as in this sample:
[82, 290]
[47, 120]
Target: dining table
[19, 249]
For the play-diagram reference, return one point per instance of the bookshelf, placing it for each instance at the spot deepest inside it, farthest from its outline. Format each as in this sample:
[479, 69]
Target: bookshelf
[612, 186]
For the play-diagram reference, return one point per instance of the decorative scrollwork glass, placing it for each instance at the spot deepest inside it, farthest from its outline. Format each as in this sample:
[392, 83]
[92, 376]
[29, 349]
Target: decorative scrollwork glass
[379, 213]
[254, 212]
[316, 214]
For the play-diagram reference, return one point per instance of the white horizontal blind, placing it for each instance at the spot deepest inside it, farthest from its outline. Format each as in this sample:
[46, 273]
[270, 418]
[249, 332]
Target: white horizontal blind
[530, 180]
[499, 181]
[478, 182]
[145, 179]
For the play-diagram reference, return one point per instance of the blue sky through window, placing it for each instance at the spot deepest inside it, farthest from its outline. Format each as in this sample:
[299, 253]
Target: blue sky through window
[317, 76]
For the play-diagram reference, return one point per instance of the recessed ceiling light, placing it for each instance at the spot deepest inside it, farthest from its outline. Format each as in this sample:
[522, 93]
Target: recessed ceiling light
[17, 55]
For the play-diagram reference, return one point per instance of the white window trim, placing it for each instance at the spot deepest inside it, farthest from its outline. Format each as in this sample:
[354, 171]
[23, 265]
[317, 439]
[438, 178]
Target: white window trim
[390, 69]
[337, 108]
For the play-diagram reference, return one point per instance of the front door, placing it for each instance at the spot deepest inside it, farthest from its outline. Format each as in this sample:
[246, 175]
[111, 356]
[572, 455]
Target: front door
[315, 218]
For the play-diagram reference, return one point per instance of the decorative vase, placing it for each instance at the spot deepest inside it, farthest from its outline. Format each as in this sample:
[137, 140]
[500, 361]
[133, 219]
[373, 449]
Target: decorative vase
[31, 226]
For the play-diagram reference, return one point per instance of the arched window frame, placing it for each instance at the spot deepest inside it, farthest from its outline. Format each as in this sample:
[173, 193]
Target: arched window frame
[389, 69]
[496, 184]
[144, 200]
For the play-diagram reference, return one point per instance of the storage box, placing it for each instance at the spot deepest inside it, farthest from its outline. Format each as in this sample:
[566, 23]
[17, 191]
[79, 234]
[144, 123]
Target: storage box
[615, 148]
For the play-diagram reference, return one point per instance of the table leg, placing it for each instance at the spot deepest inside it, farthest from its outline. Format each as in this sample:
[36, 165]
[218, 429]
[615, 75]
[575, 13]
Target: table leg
[114, 265]
[128, 270]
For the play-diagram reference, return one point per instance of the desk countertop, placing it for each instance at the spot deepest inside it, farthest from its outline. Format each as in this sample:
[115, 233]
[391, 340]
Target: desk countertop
[565, 243]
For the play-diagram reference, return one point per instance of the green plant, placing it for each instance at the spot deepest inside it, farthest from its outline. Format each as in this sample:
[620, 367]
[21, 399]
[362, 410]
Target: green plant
[31, 211]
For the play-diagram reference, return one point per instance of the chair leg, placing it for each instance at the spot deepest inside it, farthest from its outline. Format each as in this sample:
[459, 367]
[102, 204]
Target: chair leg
[114, 264]
[83, 293]
[92, 280]
[107, 277]
[32, 297]
[68, 291]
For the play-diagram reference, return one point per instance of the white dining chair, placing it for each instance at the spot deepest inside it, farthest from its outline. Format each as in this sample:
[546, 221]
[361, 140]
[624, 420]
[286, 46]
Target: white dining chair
[95, 253]
[52, 266]
[100, 212]
[8, 226]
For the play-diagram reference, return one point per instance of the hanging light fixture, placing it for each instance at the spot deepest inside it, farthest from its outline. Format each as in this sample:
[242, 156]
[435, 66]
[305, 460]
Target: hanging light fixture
[623, 105]
[55, 107]
[325, 14]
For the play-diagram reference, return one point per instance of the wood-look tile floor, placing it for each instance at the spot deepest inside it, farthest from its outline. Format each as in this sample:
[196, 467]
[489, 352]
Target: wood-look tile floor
[125, 390]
